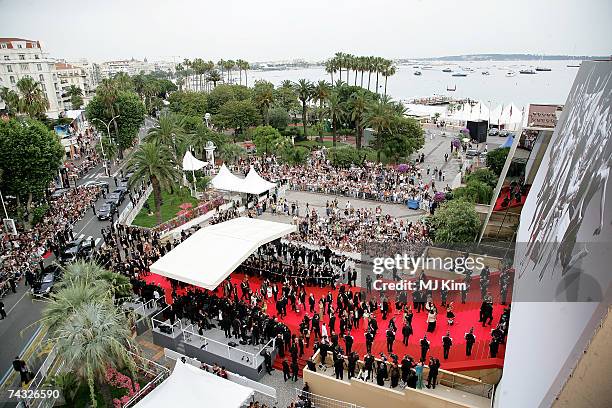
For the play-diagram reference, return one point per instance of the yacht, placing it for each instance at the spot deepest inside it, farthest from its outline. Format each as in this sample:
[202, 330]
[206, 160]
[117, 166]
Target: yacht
[543, 69]
[459, 74]
[485, 72]
[447, 70]
[417, 72]
[527, 71]
[448, 88]
[510, 73]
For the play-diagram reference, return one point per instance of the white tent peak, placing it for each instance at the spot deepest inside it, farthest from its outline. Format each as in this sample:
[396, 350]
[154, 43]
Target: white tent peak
[255, 184]
[190, 162]
[226, 180]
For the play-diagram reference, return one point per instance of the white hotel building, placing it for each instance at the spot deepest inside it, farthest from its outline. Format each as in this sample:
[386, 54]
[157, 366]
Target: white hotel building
[20, 58]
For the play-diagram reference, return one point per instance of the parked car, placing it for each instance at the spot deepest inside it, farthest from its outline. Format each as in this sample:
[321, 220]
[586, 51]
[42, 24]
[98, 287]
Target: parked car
[107, 210]
[44, 286]
[115, 197]
[58, 193]
[504, 132]
[77, 249]
[123, 190]
[472, 153]
[493, 132]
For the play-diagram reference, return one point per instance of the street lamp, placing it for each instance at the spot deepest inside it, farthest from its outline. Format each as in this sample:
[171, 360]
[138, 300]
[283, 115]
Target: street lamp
[109, 138]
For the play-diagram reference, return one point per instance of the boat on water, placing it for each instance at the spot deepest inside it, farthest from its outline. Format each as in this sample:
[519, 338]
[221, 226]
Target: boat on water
[573, 66]
[427, 67]
[543, 69]
[510, 73]
[417, 72]
[447, 70]
[416, 67]
[485, 72]
[527, 71]
[448, 88]
[459, 74]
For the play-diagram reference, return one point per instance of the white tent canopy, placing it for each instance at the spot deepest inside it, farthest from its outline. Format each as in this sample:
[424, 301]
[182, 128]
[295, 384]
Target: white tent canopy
[189, 386]
[225, 180]
[211, 254]
[190, 163]
[255, 184]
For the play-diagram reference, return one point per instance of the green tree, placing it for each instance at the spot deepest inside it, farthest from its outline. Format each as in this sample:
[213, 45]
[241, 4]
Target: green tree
[335, 111]
[189, 103]
[267, 139]
[10, 99]
[131, 113]
[214, 76]
[286, 97]
[455, 221]
[203, 135]
[474, 191]
[294, 155]
[237, 115]
[358, 106]
[231, 153]
[496, 159]
[344, 156]
[32, 99]
[30, 156]
[168, 131]
[154, 163]
[484, 175]
[263, 96]
[76, 96]
[107, 148]
[304, 89]
[279, 118]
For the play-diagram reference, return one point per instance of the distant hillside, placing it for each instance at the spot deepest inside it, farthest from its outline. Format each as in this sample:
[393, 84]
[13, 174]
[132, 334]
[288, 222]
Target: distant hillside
[509, 57]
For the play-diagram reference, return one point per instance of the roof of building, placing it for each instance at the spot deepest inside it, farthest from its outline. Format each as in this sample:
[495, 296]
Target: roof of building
[9, 40]
[63, 65]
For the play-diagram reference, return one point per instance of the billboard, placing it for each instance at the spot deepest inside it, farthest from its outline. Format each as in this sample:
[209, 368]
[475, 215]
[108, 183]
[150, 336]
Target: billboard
[544, 116]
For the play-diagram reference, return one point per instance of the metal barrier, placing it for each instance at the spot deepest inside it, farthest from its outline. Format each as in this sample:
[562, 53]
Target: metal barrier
[233, 353]
[319, 401]
[161, 325]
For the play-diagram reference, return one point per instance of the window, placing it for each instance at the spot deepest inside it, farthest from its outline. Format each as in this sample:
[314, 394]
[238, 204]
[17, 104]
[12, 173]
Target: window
[36, 56]
[19, 46]
[41, 78]
[9, 68]
[24, 67]
[12, 79]
[44, 88]
[39, 67]
[22, 56]
[3, 45]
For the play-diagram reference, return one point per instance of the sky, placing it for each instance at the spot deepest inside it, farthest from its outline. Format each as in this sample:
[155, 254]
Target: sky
[269, 30]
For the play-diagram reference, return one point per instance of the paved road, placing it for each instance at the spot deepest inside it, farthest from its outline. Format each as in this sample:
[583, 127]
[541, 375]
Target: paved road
[22, 310]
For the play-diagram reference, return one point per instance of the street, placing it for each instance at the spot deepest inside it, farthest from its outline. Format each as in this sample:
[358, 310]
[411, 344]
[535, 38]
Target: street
[23, 310]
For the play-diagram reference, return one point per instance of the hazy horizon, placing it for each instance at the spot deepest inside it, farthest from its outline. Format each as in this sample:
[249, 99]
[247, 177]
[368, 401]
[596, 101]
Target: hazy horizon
[314, 31]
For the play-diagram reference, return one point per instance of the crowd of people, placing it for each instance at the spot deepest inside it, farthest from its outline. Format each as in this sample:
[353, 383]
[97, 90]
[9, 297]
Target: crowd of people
[371, 181]
[23, 253]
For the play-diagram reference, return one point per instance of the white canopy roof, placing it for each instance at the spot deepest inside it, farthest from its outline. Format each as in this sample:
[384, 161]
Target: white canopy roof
[191, 163]
[476, 112]
[189, 386]
[255, 184]
[210, 255]
[225, 180]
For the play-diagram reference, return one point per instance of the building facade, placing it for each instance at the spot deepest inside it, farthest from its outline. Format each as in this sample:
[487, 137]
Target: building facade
[21, 58]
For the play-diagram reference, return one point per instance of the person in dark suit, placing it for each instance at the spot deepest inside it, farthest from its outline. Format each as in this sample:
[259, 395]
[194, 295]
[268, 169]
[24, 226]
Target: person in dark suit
[369, 338]
[424, 347]
[390, 340]
[368, 365]
[348, 342]
[286, 370]
[294, 370]
[434, 366]
[267, 360]
[494, 347]
[470, 339]
[339, 367]
[406, 333]
[447, 342]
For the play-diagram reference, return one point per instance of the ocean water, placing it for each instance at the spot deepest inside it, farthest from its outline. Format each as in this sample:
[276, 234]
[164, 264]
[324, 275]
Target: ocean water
[493, 89]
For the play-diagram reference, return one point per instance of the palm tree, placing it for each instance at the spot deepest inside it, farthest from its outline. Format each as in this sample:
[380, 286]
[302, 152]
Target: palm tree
[387, 72]
[335, 111]
[214, 76]
[358, 106]
[229, 66]
[169, 131]
[96, 336]
[10, 99]
[379, 116]
[379, 65]
[155, 163]
[108, 93]
[370, 64]
[264, 98]
[201, 136]
[304, 89]
[32, 99]
[331, 68]
[320, 93]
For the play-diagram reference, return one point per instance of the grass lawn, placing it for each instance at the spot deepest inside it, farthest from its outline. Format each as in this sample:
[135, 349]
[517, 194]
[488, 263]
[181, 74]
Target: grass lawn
[169, 208]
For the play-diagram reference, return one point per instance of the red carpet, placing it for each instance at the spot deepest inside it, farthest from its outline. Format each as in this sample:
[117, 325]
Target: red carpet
[466, 316]
[503, 194]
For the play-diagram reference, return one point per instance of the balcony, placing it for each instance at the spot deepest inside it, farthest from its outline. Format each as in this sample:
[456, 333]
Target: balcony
[452, 391]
